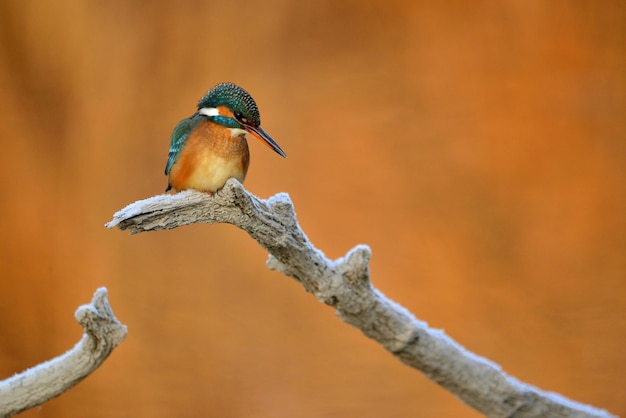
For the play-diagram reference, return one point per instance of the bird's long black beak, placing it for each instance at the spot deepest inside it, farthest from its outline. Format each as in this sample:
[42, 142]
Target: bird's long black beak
[265, 138]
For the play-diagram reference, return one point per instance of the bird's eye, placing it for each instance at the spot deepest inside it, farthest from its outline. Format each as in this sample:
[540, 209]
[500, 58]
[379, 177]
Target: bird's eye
[239, 116]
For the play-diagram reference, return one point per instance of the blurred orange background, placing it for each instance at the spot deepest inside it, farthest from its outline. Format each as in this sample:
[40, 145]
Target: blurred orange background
[479, 148]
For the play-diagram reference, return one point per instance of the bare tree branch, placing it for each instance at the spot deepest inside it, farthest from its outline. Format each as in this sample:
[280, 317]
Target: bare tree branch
[345, 285]
[32, 387]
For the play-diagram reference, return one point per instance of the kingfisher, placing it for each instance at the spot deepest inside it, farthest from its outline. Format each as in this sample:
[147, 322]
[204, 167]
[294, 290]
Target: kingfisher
[210, 146]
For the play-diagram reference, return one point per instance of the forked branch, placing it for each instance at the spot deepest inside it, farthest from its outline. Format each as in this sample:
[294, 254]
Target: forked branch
[345, 285]
[103, 332]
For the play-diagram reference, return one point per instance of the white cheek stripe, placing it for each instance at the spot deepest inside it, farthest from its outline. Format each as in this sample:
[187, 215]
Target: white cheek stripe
[209, 111]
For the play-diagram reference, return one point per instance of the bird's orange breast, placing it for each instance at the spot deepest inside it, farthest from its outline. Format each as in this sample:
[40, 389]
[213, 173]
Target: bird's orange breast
[209, 158]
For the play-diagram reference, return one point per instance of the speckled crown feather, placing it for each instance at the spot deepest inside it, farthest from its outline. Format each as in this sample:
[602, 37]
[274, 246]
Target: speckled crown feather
[233, 97]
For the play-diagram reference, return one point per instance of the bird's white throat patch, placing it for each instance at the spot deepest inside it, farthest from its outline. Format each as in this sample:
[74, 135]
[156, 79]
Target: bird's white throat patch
[235, 132]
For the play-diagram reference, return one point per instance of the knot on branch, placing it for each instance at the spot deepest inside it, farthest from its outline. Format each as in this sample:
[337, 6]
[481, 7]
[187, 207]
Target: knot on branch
[99, 322]
[354, 266]
[283, 206]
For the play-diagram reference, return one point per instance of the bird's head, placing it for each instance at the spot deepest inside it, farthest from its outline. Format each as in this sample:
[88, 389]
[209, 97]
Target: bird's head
[231, 106]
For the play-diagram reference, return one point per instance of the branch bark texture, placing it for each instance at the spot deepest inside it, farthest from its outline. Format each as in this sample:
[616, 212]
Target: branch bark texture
[103, 332]
[344, 284]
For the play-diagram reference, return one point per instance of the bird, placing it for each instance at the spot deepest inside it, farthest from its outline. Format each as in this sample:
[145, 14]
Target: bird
[210, 146]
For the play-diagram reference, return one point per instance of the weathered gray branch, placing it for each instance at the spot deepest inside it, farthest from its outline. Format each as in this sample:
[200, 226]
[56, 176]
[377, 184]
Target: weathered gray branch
[345, 285]
[32, 387]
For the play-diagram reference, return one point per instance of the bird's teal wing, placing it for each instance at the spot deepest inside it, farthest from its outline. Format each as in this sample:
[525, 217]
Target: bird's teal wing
[177, 141]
